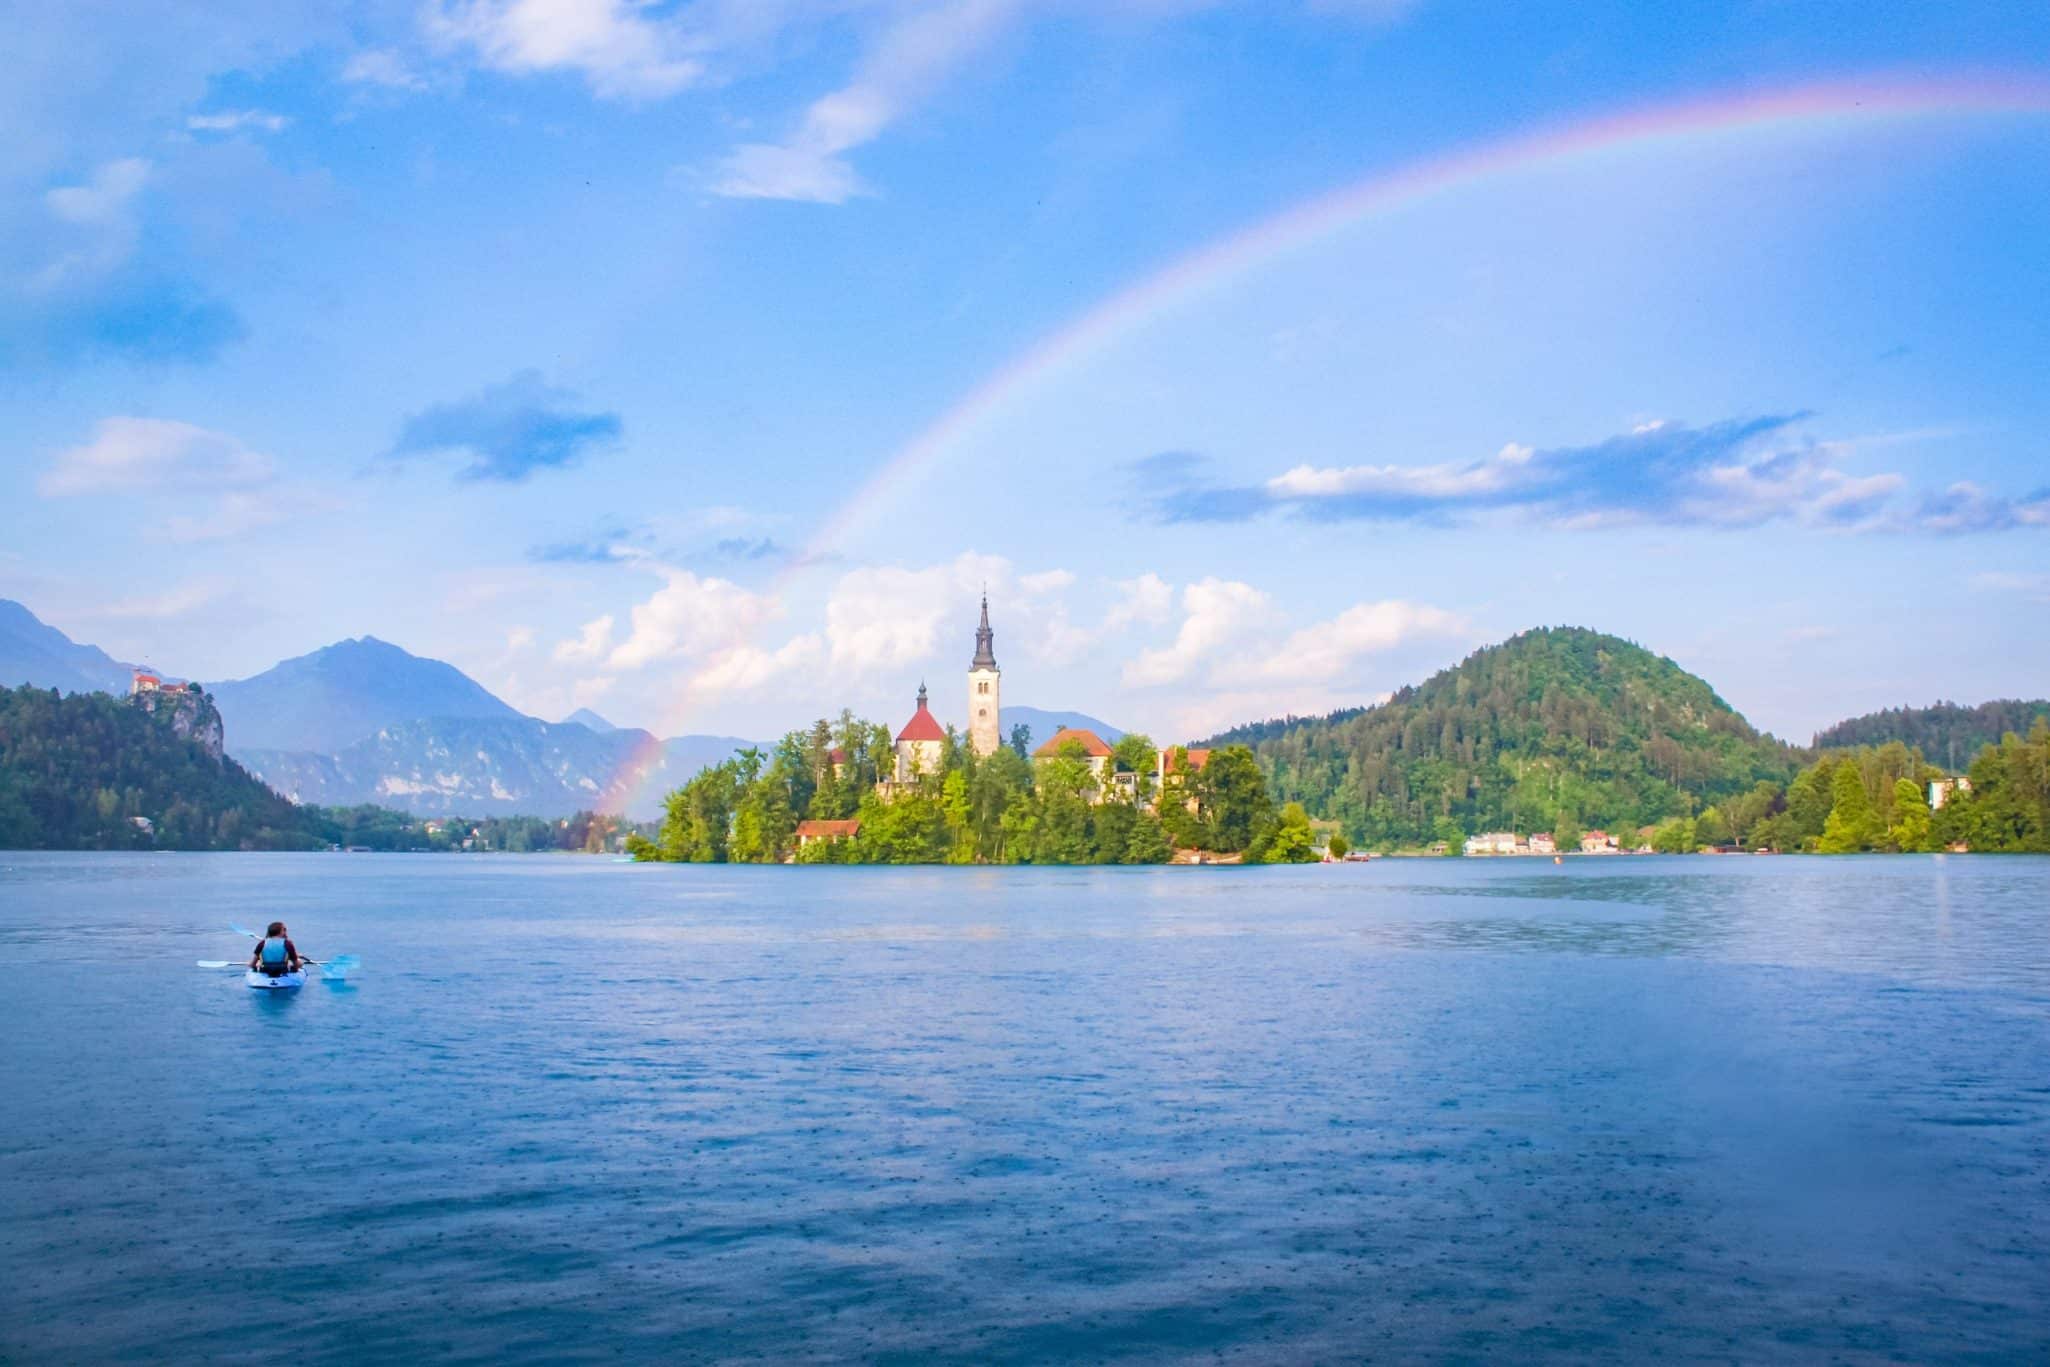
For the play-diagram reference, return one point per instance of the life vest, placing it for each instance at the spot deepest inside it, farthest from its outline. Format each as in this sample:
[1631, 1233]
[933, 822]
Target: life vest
[276, 957]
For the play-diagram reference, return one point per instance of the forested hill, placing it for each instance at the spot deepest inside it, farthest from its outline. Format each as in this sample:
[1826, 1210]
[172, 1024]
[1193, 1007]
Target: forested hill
[1947, 733]
[1555, 728]
[75, 771]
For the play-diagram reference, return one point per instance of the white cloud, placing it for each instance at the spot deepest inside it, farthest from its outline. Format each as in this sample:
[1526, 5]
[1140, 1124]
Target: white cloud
[594, 642]
[1422, 481]
[128, 455]
[1216, 612]
[239, 512]
[887, 617]
[1147, 599]
[178, 601]
[690, 616]
[619, 47]
[745, 667]
[381, 66]
[521, 638]
[100, 223]
[914, 55]
[105, 198]
[1046, 582]
[584, 692]
[235, 120]
[1324, 652]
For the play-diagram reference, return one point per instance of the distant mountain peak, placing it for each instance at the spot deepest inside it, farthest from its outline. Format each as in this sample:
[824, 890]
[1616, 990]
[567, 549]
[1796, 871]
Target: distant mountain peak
[34, 652]
[590, 720]
[332, 697]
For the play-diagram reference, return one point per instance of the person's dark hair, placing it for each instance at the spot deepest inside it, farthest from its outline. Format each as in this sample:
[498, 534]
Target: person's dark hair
[276, 928]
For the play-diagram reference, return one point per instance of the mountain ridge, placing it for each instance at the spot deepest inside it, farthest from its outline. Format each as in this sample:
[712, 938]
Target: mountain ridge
[1556, 726]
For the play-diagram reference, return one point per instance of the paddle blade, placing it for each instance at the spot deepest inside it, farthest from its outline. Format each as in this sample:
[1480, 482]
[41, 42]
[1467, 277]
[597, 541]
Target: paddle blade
[340, 966]
[244, 930]
[215, 963]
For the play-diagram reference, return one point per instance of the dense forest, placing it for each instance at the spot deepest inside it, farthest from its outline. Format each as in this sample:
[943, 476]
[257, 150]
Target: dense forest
[89, 771]
[1000, 808]
[1877, 798]
[1946, 733]
[1553, 728]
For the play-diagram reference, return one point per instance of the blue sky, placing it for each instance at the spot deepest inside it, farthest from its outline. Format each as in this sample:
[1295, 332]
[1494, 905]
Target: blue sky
[567, 341]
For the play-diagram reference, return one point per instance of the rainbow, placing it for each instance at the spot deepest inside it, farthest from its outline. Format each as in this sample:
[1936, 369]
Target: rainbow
[1229, 258]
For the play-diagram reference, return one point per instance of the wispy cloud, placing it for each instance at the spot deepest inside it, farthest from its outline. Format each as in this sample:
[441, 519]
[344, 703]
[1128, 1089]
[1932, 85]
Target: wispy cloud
[2035, 587]
[1739, 473]
[913, 57]
[238, 120]
[1965, 507]
[509, 430]
[382, 67]
[129, 455]
[84, 294]
[227, 488]
[621, 48]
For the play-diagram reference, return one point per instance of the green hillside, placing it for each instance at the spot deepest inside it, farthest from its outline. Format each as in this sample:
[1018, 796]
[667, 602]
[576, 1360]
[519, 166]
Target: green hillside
[76, 770]
[1556, 727]
[1946, 733]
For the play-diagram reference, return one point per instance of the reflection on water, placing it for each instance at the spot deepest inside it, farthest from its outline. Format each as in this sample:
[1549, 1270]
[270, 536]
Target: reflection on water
[1731, 1108]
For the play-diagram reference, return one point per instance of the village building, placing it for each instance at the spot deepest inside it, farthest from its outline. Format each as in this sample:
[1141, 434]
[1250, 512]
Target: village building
[1598, 842]
[1493, 842]
[1942, 789]
[1094, 751]
[1541, 843]
[816, 832]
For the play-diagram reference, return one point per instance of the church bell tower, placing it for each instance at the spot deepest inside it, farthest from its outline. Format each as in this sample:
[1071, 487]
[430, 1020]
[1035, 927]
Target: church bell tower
[985, 732]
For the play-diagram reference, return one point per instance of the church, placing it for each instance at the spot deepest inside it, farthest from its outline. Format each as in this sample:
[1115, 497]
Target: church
[920, 741]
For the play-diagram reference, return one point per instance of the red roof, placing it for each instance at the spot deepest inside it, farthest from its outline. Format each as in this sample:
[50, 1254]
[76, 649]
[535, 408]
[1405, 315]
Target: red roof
[1092, 744]
[836, 756]
[827, 830]
[1197, 759]
[922, 726]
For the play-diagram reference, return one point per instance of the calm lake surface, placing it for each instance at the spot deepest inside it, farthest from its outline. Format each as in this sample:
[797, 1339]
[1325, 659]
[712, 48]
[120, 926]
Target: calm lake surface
[1715, 1109]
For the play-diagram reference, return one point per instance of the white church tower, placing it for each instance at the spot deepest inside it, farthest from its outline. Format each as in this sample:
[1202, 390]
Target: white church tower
[984, 691]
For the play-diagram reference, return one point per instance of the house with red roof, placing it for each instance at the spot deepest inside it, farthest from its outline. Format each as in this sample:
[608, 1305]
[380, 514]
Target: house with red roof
[812, 832]
[1092, 748]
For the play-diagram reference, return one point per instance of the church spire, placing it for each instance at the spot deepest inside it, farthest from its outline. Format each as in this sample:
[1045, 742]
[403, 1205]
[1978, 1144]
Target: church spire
[985, 641]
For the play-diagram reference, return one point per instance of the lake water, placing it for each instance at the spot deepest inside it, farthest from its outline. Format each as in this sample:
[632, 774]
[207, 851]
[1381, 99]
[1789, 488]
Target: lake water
[1717, 1109]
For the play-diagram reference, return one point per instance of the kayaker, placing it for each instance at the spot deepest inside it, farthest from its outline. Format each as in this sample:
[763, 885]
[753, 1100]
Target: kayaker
[275, 954]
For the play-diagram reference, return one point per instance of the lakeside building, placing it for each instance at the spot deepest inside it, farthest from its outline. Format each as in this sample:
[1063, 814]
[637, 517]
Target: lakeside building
[1941, 789]
[817, 832]
[1598, 842]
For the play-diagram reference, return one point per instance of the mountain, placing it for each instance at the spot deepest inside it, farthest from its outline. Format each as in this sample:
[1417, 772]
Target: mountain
[1044, 723]
[345, 692]
[91, 772]
[1557, 726]
[33, 652]
[585, 717]
[493, 766]
[1947, 733]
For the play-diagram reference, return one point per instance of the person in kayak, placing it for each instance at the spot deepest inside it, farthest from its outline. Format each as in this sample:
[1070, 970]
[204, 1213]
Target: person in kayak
[275, 954]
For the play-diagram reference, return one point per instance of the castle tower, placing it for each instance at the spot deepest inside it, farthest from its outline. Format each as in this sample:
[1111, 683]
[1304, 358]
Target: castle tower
[985, 695]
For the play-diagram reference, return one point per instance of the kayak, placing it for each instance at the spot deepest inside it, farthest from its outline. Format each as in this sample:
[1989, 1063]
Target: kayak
[264, 982]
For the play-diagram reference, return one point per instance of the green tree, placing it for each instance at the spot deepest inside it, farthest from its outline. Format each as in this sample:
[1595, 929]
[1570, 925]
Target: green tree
[1231, 794]
[1148, 843]
[1913, 825]
[1851, 825]
[1338, 845]
[1292, 841]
